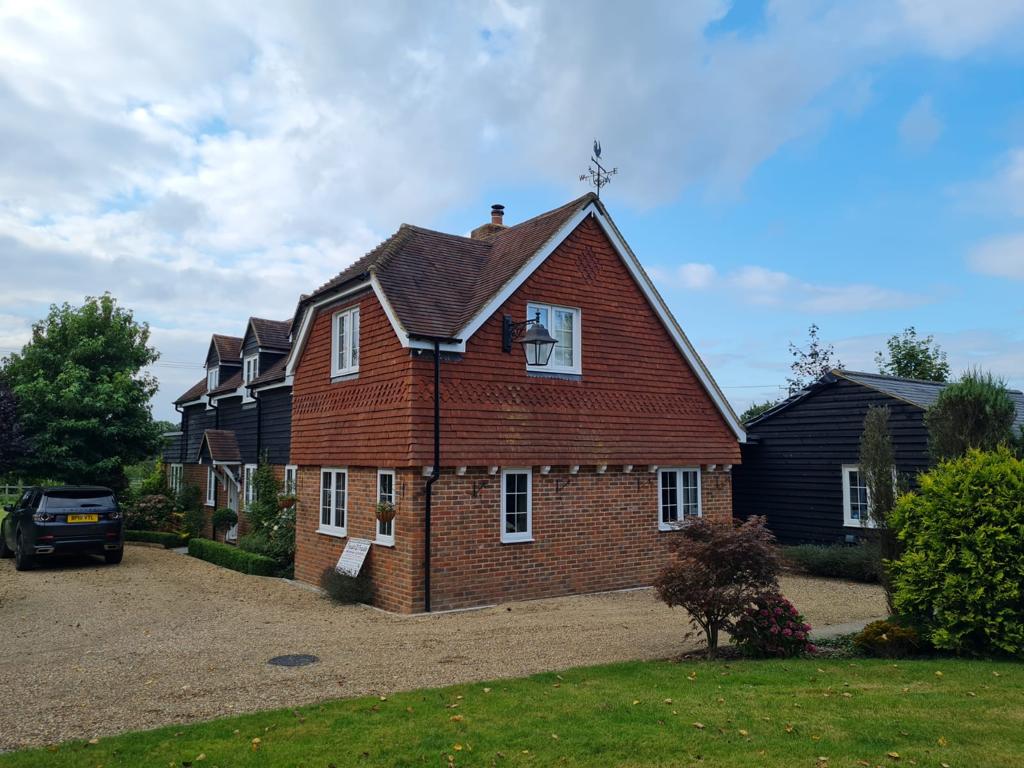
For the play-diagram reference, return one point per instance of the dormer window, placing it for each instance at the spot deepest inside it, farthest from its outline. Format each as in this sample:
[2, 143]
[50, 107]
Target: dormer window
[345, 342]
[250, 368]
[212, 378]
[563, 323]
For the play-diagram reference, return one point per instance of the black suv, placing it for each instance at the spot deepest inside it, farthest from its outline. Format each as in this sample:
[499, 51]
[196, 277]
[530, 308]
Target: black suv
[62, 519]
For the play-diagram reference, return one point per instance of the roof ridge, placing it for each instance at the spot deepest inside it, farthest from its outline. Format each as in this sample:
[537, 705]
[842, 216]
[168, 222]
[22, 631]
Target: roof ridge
[893, 378]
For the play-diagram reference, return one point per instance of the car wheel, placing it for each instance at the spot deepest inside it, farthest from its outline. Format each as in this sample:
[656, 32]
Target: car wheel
[23, 561]
[115, 557]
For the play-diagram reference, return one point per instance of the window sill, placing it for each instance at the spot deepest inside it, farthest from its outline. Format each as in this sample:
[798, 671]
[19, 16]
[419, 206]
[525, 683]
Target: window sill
[542, 373]
[338, 533]
[856, 524]
[210, 504]
[388, 544]
[517, 541]
[344, 376]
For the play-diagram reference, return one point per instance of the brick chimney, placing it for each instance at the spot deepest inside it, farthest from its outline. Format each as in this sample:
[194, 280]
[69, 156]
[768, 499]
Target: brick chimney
[489, 230]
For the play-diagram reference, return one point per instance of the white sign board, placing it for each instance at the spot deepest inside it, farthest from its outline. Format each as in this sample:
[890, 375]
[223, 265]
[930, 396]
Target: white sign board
[351, 560]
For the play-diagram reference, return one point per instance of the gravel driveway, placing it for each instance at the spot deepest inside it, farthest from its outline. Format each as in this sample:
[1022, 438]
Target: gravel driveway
[91, 650]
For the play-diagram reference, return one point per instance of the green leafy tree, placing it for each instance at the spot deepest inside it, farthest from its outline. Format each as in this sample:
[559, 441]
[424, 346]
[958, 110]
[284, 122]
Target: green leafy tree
[812, 362]
[975, 412]
[878, 465]
[83, 400]
[13, 445]
[961, 574]
[757, 409]
[913, 358]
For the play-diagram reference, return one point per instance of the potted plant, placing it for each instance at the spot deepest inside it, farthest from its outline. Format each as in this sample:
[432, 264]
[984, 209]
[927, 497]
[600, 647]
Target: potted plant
[385, 511]
[286, 502]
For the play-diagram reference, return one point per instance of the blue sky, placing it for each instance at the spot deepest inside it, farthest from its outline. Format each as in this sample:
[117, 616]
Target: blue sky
[855, 165]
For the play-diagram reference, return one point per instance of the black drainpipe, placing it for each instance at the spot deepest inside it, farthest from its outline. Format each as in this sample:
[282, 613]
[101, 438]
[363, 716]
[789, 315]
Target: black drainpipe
[435, 471]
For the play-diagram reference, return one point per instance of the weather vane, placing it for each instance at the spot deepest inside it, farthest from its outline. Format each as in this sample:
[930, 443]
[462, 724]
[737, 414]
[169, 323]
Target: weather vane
[597, 174]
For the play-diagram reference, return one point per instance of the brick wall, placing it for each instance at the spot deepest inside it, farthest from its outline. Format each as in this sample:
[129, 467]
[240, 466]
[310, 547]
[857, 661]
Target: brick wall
[592, 532]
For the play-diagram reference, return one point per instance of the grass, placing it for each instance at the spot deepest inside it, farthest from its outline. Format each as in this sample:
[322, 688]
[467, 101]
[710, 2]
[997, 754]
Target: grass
[774, 713]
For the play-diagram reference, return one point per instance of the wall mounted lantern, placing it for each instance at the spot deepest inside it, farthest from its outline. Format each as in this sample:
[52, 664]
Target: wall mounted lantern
[537, 343]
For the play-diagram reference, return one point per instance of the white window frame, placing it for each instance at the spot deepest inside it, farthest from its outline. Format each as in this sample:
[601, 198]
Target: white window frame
[291, 487]
[350, 364]
[577, 337]
[386, 539]
[332, 528]
[212, 378]
[519, 536]
[250, 367]
[211, 486]
[681, 504]
[848, 520]
[177, 473]
[248, 487]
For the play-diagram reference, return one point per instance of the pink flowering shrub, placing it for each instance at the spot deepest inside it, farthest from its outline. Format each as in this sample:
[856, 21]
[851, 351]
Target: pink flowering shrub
[772, 626]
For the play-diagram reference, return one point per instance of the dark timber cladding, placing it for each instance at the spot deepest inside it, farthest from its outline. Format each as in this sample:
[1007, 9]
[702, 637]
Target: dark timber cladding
[275, 415]
[791, 469]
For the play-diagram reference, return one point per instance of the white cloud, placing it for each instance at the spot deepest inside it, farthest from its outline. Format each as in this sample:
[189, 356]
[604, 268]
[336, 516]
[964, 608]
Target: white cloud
[696, 276]
[920, 127]
[1000, 256]
[211, 164]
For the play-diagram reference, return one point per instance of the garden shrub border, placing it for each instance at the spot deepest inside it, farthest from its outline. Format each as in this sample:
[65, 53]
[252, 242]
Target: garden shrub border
[234, 558]
[165, 539]
[854, 562]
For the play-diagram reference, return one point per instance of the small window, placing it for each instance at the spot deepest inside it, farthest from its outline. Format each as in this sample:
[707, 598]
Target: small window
[516, 506]
[333, 500]
[211, 487]
[563, 323]
[212, 378]
[291, 480]
[250, 368]
[678, 496]
[250, 486]
[856, 502]
[345, 342]
[175, 477]
[386, 495]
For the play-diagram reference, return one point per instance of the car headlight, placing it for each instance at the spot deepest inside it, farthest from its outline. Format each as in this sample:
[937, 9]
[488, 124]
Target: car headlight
[44, 517]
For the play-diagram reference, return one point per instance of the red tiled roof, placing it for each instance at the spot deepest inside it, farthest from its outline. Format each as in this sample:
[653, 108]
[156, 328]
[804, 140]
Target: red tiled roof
[436, 282]
[222, 446]
[272, 334]
[272, 375]
[230, 385]
[194, 392]
[229, 348]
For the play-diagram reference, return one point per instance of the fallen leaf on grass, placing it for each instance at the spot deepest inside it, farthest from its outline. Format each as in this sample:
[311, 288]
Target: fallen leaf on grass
[789, 727]
[554, 736]
[942, 741]
[94, 741]
[487, 690]
[699, 726]
[457, 747]
[893, 755]
[456, 718]
[667, 701]
[635, 702]
[256, 743]
[938, 674]
[744, 733]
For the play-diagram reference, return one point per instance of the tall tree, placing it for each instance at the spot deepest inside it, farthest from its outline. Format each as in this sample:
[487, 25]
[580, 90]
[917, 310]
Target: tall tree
[878, 465]
[811, 363]
[975, 412]
[82, 397]
[756, 409]
[13, 445]
[912, 358]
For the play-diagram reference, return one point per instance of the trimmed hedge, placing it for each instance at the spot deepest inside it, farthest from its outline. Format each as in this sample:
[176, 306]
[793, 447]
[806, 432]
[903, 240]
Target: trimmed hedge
[856, 563]
[167, 540]
[231, 557]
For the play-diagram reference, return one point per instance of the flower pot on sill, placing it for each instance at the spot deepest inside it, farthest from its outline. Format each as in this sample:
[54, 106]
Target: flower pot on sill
[385, 512]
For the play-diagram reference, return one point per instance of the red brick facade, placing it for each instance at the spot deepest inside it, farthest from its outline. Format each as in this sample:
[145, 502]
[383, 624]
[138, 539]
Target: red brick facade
[637, 402]
[196, 474]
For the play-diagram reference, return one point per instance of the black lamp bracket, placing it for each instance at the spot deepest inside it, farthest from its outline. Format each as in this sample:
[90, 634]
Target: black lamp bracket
[511, 331]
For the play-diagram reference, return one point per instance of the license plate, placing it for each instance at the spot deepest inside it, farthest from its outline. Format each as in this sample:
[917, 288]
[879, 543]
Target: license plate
[83, 518]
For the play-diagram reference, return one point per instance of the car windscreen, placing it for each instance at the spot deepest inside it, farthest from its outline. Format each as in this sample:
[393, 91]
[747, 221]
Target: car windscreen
[78, 500]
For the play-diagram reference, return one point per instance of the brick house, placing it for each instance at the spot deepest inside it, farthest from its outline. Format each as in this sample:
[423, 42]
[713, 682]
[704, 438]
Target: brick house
[509, 480]
[238, 412]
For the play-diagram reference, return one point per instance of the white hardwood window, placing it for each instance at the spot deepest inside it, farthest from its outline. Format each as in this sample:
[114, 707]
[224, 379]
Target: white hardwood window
[856, 500]
[250, 368]
[516, 505]
[250, 487]
[211, 487]
[345, 342]
[678, 496]
[386, 495]
[563, 323]
[291, 480]
[333, 501]
[212, 378]
[174, 480]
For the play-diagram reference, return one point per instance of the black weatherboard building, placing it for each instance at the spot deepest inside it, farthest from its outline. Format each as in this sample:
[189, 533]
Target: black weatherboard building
[800, 460]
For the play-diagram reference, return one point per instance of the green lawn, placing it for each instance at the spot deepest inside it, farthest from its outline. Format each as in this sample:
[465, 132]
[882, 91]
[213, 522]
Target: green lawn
[776, 713]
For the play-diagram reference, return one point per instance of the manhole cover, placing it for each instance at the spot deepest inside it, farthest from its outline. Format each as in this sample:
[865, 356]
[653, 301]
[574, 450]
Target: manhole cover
[294, 660]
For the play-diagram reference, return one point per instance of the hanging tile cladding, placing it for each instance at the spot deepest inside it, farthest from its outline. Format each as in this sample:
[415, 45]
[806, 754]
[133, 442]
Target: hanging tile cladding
[361, 420]
[276, 424]
[241, 419]
[637, 402]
